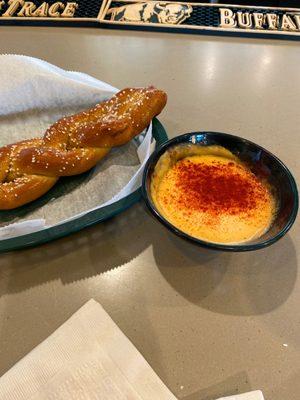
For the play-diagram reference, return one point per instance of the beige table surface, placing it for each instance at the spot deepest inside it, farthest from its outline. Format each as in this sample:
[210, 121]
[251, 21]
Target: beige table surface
[210, 324]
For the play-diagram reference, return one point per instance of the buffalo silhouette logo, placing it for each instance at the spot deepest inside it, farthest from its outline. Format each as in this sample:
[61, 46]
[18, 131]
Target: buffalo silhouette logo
[153, 12]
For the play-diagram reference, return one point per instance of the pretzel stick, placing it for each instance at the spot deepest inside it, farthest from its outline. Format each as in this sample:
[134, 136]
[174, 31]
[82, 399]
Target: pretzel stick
[74, 144]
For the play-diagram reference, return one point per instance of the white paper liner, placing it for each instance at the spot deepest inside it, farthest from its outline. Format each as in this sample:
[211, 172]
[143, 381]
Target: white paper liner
[33, 95]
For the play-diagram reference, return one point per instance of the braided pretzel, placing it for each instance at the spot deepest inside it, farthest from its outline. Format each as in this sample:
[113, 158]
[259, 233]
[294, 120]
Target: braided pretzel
[74, 144]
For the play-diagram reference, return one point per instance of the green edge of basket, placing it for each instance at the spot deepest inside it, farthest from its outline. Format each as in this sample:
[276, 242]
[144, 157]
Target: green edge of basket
[91, 218]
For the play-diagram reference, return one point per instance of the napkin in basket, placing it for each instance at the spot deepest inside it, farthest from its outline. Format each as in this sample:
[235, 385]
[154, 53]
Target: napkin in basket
[33, 95]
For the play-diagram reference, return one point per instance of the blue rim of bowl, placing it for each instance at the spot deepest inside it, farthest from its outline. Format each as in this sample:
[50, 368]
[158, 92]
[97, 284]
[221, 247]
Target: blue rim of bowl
[89, 219]
[210, 245]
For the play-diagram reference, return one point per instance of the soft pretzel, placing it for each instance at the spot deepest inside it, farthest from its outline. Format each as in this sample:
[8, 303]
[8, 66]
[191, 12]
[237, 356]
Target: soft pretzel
[74, 144]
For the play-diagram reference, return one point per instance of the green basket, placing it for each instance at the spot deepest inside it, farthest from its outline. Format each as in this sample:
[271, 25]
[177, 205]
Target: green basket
[91, 218]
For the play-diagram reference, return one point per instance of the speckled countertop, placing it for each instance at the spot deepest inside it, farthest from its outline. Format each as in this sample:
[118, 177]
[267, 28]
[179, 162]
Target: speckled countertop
[210, 324]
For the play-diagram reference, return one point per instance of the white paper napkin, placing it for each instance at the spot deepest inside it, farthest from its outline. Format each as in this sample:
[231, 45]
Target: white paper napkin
[34, 94]
[87, 358]
[28, 83]
[255, 395]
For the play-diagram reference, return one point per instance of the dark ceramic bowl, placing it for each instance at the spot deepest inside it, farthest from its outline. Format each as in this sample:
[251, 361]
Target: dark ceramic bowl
[261, 162]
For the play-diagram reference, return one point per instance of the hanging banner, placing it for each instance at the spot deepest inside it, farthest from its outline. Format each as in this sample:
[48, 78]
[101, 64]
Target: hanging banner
[202, 17]
[184, 16]
[14, 11]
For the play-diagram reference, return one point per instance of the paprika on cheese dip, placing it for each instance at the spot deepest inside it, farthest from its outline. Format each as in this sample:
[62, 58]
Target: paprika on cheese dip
[208, 193]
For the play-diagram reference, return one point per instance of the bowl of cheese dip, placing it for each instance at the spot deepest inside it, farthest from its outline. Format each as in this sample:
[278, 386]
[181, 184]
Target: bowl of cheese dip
[220, 191]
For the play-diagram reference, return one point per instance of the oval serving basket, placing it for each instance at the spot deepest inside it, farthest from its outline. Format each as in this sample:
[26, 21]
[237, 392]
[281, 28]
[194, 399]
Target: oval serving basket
[91, 218]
